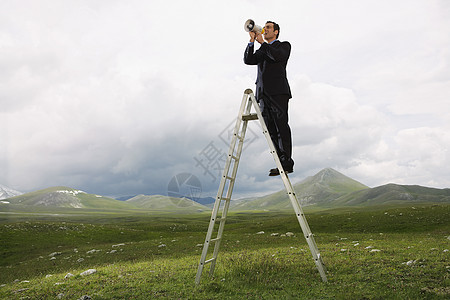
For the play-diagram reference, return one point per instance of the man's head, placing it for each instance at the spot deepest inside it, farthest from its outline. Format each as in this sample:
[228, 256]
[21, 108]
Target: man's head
[271, 31]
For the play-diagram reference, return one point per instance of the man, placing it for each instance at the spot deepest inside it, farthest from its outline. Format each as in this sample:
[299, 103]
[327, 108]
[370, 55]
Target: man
[272, 89]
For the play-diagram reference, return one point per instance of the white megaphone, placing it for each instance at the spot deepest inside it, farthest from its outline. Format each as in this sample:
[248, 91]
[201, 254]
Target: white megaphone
[251, 26]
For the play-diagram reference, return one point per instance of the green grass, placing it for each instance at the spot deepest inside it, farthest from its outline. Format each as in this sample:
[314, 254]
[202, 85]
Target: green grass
[250, 265]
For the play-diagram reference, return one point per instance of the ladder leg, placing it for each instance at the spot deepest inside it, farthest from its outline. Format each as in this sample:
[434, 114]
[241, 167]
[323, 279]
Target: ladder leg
[241, 138]
[239, 134]
[291, 193]
[207, 241]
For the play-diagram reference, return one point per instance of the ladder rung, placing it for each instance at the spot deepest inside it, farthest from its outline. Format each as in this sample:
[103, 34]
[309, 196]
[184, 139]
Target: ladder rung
[226, 199]
[216, 239]
[250, 117]
[230, 178]
[234, 157]
[209, 260]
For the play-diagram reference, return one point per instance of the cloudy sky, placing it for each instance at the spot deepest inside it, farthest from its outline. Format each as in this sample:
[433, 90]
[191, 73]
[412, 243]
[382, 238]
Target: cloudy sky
[118, 97]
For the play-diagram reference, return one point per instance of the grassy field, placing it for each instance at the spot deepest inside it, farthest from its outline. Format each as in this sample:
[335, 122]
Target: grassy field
[376, 253]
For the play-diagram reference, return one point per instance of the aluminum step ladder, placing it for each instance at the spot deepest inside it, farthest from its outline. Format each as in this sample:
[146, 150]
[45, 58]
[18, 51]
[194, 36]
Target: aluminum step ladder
[227, 183]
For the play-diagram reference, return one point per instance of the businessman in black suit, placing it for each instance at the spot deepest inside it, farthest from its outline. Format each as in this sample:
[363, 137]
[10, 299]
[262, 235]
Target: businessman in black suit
[272, 89]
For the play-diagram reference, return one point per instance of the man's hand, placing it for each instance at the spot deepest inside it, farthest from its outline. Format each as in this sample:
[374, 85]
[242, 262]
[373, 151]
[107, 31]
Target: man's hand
[259, 38]
[252, 36]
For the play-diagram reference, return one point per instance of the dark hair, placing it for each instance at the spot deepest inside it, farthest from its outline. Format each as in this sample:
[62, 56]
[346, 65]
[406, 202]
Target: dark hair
[275, 27]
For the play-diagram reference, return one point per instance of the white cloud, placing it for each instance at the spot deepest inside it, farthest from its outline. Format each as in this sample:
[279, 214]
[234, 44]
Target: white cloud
[118, 97]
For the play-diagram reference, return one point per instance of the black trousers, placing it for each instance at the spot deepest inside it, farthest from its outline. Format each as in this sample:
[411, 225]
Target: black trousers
[275, 113]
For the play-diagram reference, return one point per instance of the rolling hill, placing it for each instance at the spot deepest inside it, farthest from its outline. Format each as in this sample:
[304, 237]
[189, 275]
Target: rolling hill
[327, 189]
[65, 197]
[165, 203]
[394, 194]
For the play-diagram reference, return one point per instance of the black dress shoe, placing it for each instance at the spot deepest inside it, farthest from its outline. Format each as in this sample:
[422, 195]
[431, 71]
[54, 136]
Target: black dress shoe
[276, 172]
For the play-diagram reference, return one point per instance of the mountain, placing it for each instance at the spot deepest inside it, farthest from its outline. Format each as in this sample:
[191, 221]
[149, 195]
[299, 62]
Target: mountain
[394, 194]
[66, 197]
[330, 189]
[327, 189]
[208, 201]
[6, 192]
[324, 187]
[165, 203]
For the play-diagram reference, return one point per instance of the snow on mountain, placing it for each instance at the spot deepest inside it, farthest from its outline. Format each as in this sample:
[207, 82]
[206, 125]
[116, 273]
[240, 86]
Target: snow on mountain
[73, 193]
[6, 192]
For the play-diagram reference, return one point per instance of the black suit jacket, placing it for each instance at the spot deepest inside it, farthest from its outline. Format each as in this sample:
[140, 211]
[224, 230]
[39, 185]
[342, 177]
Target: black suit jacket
[271, 60]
